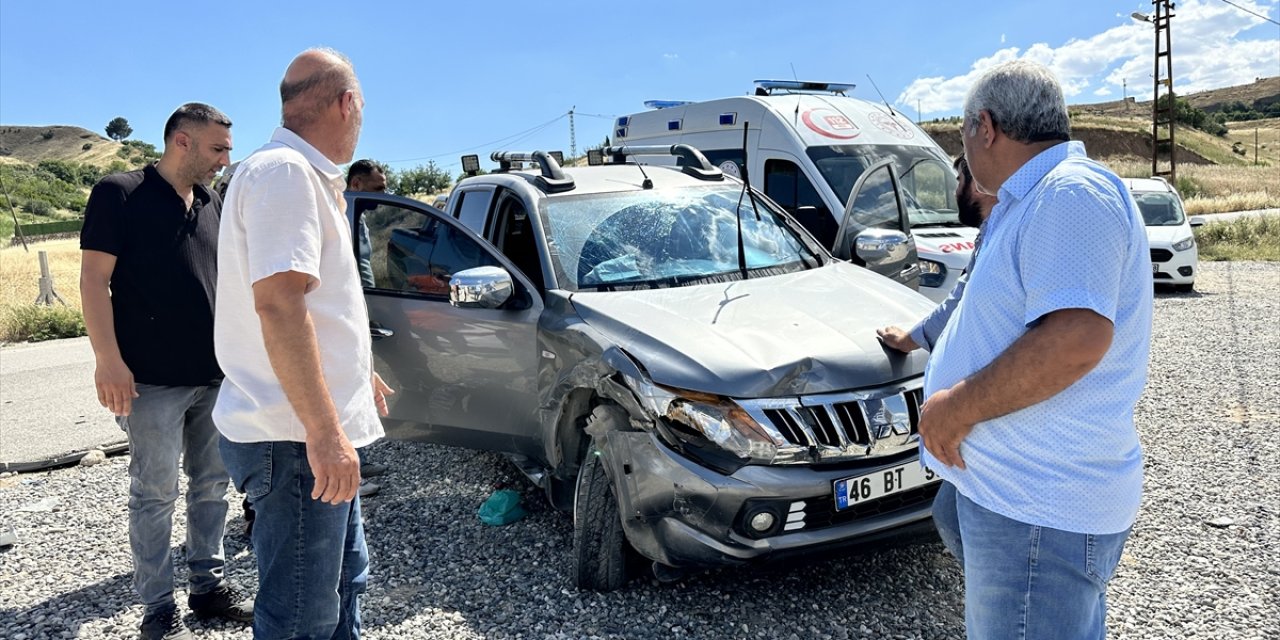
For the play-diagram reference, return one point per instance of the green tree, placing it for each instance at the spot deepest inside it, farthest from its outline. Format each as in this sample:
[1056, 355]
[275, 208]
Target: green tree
[428, 178]
[118, 129]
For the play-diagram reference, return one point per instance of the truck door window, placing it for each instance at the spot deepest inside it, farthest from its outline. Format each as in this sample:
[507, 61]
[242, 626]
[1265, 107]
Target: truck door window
[787, 185]
[513, 235]
[473, 208]
[412, 252]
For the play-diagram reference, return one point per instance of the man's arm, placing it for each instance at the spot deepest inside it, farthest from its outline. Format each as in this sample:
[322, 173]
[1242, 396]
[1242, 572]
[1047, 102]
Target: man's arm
[1063, 347]
[291, 345]
[111, 376]
[926, 332]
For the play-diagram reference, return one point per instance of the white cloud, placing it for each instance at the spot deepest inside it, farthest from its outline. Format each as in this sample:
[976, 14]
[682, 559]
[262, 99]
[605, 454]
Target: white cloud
[1208, 52]
[670, 56]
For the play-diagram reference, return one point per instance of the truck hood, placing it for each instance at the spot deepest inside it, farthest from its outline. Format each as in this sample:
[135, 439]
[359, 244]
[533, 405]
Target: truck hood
[951, 246]
[795, 334]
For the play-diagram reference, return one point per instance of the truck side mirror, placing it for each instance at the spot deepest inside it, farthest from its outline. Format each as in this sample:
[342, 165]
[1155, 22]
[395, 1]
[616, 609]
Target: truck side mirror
[881, 246]
[480, 288]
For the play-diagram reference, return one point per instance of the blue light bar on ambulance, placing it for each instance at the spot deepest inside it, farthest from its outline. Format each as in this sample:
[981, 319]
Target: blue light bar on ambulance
[665, 104]
[837, 88]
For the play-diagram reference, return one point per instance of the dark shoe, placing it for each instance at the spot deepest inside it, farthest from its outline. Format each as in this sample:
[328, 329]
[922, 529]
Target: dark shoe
[224, 602]
[164, 624]
[372, 469]
[368, 488]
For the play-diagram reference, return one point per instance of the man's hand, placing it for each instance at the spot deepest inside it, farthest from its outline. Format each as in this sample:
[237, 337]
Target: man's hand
[116, 389]
[898, 339]
[380, 392]
[943, 426]
[336, 466]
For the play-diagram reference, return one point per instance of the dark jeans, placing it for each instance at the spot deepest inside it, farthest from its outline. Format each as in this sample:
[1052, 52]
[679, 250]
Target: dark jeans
[312, 559]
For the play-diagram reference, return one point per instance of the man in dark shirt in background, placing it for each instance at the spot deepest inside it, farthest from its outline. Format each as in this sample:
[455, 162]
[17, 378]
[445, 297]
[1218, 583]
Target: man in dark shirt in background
[366, 175]
[147, 279]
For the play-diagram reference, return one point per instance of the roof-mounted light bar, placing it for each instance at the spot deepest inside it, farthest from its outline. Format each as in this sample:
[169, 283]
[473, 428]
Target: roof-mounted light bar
[693, 162]
[767, 87]
[552, 178]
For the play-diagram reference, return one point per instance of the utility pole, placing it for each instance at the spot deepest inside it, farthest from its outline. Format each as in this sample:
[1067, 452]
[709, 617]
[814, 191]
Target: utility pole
[1163, 117]
[573, 138]
[1125, 94]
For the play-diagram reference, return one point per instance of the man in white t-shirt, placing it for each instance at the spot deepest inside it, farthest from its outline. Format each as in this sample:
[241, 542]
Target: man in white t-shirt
[292, 334]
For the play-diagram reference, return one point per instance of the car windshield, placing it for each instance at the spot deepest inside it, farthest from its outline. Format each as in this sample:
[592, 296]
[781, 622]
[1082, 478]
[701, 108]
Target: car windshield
[668, 238]
[1159, 208]
[927, 180]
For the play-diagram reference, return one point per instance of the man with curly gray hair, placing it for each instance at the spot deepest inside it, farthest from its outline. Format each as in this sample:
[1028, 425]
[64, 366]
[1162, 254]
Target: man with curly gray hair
[1032, 385]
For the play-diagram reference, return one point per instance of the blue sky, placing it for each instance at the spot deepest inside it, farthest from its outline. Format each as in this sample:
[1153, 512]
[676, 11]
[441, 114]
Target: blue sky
[469, 78]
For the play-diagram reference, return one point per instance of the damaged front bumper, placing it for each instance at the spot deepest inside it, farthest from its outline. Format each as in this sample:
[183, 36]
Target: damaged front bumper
[680, 513]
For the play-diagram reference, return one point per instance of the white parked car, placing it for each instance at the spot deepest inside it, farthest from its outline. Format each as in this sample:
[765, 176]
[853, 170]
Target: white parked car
[1174, 258]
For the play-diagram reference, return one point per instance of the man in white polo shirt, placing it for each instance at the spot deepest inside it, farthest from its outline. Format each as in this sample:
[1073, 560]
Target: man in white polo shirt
[292, 334]
[1032, 385]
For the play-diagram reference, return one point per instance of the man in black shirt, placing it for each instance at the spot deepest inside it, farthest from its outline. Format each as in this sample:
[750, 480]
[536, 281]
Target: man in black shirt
[147, 279]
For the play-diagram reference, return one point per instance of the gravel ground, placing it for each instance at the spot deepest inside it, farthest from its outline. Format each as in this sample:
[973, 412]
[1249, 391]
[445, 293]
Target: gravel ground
[1208, 421]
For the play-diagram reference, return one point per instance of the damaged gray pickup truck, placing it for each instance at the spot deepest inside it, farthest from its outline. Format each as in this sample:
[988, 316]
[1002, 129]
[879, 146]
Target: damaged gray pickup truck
[673, 359]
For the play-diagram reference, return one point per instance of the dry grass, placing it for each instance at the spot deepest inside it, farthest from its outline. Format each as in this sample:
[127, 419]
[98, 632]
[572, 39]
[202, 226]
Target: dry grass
[20, 272]
[1215, 188]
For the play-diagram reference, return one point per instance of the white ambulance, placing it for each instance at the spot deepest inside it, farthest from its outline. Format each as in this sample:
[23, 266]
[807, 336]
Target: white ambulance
[840, 165]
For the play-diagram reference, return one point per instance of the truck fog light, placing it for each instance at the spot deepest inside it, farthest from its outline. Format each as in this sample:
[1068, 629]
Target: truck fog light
[762, 521]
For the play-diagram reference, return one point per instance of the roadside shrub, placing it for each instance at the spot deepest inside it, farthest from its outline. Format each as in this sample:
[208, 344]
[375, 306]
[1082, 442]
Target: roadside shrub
[117, 166]
[38, 208]
[137, 161]
[86, 146]
[48, 134]
[34, 323]
[123, 152]
[1189, 187]
[1246, 238]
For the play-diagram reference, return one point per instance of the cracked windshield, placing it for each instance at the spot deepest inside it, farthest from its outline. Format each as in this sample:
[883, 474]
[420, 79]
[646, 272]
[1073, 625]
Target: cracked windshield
[669, 238]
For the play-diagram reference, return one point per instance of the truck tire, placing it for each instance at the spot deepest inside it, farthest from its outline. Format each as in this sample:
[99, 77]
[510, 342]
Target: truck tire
[601, 553]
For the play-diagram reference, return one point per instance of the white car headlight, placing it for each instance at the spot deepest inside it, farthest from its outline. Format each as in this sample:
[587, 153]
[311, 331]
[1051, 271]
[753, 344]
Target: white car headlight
[1185, 243]
[714, 418]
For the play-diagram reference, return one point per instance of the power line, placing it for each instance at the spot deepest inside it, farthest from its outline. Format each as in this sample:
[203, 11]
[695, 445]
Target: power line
[1251, 12]
[505, 139]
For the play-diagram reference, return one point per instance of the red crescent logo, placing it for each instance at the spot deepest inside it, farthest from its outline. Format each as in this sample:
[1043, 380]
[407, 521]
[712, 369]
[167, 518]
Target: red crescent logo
[830, 123]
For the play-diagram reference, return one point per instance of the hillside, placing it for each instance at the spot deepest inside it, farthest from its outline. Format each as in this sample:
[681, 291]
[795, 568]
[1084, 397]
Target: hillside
[57, 142]
[1261, 93]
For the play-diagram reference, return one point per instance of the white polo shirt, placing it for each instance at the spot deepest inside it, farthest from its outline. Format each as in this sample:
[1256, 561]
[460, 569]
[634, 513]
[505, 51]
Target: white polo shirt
[285, 212]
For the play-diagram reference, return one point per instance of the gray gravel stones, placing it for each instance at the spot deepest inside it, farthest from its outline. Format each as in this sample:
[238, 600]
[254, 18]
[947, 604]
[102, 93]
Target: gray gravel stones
[1208, 423]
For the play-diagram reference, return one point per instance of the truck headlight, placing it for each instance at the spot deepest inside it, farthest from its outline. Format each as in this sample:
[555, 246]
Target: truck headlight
[932, 274]
[703, 420]
[1185, 243]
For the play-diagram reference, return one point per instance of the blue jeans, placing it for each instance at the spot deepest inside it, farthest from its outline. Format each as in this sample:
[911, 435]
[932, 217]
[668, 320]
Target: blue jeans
[312, 559]
[167, 423]
[1025, 581]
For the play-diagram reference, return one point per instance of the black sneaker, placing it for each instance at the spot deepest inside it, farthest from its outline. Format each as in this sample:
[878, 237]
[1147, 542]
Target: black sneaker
[225, 601]
[164, 624]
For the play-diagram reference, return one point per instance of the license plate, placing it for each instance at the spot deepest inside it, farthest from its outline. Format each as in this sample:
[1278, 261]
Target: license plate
[1155, 268]
[886, 482]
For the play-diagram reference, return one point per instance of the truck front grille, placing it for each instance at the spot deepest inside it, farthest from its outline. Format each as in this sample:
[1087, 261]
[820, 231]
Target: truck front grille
[844, 426]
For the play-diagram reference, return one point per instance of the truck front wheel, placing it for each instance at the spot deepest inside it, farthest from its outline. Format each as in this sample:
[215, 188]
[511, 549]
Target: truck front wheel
[601, 552]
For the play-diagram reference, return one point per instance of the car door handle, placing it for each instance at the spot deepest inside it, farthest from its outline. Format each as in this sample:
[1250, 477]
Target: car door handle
[378, 333]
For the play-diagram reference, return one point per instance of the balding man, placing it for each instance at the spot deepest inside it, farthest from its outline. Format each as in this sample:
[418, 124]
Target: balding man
[293, 335]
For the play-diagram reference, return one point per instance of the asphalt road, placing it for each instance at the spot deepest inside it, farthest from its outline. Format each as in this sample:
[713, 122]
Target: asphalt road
[48, 406]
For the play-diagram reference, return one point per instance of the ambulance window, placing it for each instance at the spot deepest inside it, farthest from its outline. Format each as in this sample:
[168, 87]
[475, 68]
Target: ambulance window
[787, 185]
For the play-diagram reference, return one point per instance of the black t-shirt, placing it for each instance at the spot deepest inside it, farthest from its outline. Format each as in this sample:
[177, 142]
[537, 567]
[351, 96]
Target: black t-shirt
[162, 288]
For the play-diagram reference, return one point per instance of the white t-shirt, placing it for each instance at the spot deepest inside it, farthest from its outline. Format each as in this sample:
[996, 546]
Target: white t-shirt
[285, 212]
